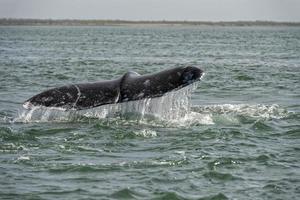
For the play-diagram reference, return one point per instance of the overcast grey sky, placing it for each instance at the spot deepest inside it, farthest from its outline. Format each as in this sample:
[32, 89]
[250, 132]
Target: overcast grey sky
[202, 10]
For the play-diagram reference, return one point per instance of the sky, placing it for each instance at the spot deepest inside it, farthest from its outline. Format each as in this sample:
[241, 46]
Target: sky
[191, 10]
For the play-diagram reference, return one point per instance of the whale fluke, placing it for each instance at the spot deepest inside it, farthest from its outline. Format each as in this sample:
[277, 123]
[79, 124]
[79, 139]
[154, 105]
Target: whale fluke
[131, 86]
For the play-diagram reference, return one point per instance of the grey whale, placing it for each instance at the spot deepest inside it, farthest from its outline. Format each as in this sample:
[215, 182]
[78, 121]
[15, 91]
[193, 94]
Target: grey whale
[129, 87]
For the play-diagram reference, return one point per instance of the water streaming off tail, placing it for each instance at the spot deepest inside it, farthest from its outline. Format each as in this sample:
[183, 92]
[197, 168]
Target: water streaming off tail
[173, 106]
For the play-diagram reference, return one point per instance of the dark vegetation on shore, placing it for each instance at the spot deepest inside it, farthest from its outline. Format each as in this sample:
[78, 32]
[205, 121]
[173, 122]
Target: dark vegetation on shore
[76, 22]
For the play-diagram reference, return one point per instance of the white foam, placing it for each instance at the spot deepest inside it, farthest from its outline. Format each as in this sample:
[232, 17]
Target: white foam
[248, 110]
[146, 133]
[23, 158]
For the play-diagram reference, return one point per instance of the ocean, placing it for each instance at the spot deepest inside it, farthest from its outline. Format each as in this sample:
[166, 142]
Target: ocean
[233, 135]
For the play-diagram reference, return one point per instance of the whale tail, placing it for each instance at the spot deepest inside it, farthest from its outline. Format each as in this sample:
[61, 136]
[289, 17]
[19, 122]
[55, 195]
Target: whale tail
[130, 87]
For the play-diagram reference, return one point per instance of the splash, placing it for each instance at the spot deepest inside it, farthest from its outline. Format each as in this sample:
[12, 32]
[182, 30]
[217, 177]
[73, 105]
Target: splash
[173, 109]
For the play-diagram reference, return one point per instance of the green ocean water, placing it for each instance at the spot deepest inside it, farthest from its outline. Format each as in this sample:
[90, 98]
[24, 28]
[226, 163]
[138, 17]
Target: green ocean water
[239, 139]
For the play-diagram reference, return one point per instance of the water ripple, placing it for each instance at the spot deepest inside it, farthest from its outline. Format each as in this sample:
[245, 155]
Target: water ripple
[236, 136]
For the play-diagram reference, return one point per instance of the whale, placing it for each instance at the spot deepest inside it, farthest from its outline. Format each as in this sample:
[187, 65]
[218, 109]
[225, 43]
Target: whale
[129, 87]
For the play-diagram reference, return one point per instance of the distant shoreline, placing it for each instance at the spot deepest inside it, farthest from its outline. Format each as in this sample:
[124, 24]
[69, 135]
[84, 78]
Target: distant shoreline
[76, 22]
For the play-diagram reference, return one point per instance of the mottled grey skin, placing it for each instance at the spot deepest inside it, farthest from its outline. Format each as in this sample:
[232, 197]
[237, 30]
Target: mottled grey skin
[129, 87]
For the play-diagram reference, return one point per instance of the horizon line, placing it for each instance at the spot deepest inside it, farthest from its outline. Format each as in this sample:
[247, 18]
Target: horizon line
[103, 22]
[143, 20]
